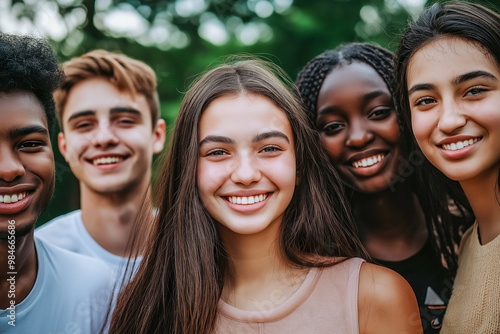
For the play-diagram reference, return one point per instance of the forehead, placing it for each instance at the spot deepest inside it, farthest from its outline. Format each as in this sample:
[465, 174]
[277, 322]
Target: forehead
[99, 95]
[352, 79]
[238, 115]
[20, 110]
[452, 56]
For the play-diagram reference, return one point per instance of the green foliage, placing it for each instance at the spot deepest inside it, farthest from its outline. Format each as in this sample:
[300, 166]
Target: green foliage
[289, 36]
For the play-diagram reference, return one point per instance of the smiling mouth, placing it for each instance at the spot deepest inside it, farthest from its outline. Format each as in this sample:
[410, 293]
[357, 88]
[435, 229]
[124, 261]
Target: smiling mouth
[460, 144]
[107, 160]
[13, 198]
[246, 200]
[370, 161]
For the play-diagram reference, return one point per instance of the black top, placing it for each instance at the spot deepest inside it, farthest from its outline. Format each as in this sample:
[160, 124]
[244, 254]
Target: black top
[431, 283]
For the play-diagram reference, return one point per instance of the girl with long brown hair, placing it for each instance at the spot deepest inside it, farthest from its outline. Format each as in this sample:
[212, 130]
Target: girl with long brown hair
[252, 235]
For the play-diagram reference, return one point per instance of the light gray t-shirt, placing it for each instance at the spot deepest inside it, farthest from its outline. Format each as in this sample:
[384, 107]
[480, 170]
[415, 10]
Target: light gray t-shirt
[68, 232]
[71, 294]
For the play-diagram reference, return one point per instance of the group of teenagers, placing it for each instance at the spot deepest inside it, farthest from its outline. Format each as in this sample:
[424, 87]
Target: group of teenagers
[362, 198]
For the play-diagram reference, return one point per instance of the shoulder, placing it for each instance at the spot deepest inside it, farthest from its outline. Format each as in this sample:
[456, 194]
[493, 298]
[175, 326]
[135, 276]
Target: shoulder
[69, 266]
[68, 219]
[386, 302]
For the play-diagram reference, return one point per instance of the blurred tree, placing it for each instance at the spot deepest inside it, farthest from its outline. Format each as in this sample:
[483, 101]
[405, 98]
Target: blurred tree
[181, 38]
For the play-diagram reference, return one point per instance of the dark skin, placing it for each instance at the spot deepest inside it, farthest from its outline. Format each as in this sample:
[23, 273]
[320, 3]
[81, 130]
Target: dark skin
[27, 178]
[358, 126]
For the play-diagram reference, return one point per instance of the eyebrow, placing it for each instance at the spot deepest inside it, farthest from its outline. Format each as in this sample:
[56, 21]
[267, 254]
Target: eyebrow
[367, 97]
[21, 132]
[256, 139]
[418, 87]
[473, 75]
[115, 110]
[456, 81]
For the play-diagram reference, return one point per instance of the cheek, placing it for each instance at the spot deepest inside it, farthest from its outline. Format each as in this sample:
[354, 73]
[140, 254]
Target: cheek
[423, 125]
[334, 146]
[210, 177]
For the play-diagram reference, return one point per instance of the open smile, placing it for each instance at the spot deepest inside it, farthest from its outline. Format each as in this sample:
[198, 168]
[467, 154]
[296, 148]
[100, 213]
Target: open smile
[460, 144]
[15, 202]
[245, 200]
[107, 161]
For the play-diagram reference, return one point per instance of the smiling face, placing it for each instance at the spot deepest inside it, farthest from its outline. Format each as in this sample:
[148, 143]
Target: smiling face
[26, 162]
[108, 137]
[454, 96]
[358, 127]
[246, 166]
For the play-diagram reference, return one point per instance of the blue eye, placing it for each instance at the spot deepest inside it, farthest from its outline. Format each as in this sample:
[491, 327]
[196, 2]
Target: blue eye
[270, 149]
[216, 153]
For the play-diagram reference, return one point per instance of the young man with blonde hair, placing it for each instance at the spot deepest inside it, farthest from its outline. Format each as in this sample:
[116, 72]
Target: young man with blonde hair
[108, 112]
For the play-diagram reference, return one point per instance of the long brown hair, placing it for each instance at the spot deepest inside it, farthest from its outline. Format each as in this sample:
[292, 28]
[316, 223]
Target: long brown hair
[180, 280]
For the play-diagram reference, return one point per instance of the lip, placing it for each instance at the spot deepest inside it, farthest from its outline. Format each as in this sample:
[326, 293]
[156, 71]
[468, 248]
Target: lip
[247, 208]
[459, 153]
[14, 208]
[108, 166]
[365, 154]
[454, 139]
[370, 170]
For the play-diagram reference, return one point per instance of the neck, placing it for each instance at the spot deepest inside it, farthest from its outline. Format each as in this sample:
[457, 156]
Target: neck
[484, 197]
[21, 272]
[111, 219]
[391, 223]
[260, 277]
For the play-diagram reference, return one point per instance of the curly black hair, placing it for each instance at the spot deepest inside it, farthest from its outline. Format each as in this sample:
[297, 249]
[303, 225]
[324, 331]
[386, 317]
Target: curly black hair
[28, 64]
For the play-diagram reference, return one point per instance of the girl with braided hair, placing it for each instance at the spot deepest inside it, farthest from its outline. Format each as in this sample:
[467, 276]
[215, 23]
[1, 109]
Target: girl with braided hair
[348, 93]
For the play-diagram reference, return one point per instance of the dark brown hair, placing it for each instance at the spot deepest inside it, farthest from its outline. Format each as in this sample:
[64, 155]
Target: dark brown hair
[182, 275]
[126, 74]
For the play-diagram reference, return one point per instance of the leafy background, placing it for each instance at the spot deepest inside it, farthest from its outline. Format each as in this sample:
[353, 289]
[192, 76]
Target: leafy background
[181, 38]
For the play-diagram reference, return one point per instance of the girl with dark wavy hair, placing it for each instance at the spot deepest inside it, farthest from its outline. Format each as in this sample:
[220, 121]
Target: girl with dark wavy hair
[251, 235]
[448, 67]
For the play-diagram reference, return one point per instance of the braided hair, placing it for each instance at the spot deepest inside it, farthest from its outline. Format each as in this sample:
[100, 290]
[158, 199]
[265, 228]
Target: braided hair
[311, 77]
[444, 231]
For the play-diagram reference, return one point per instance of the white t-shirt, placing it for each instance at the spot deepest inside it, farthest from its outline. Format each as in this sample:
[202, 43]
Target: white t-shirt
[71, 294]
[68, 232]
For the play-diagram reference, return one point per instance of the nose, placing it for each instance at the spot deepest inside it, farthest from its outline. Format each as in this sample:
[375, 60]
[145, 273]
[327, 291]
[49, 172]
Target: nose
[358, 135]
[105, 136]
[245, 170]
[11, 167]
[451, 117]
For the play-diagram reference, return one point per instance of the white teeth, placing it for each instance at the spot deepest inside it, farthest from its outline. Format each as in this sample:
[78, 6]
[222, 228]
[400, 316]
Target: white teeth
[367, 162]
[247, 200]
[14, 198]
[106, 160]
[459, 145]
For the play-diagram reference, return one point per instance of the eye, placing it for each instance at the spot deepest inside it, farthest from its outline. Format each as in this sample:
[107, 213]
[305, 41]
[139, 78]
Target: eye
[380, 113]
[127, 121]
[332, 128]
[216, 153]
[424, 101]
[475, 91]
[31, 145]
[82, 125]
[271, 149]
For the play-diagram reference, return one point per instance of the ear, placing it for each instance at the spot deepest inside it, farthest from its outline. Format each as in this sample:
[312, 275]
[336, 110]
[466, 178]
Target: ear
[159, 136]
[61, 141]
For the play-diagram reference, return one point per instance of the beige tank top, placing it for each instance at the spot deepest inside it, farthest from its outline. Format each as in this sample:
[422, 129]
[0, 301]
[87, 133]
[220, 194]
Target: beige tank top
[326, 302]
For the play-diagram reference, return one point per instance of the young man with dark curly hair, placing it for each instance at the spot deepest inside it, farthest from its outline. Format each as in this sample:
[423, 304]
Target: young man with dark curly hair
[43, 288]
